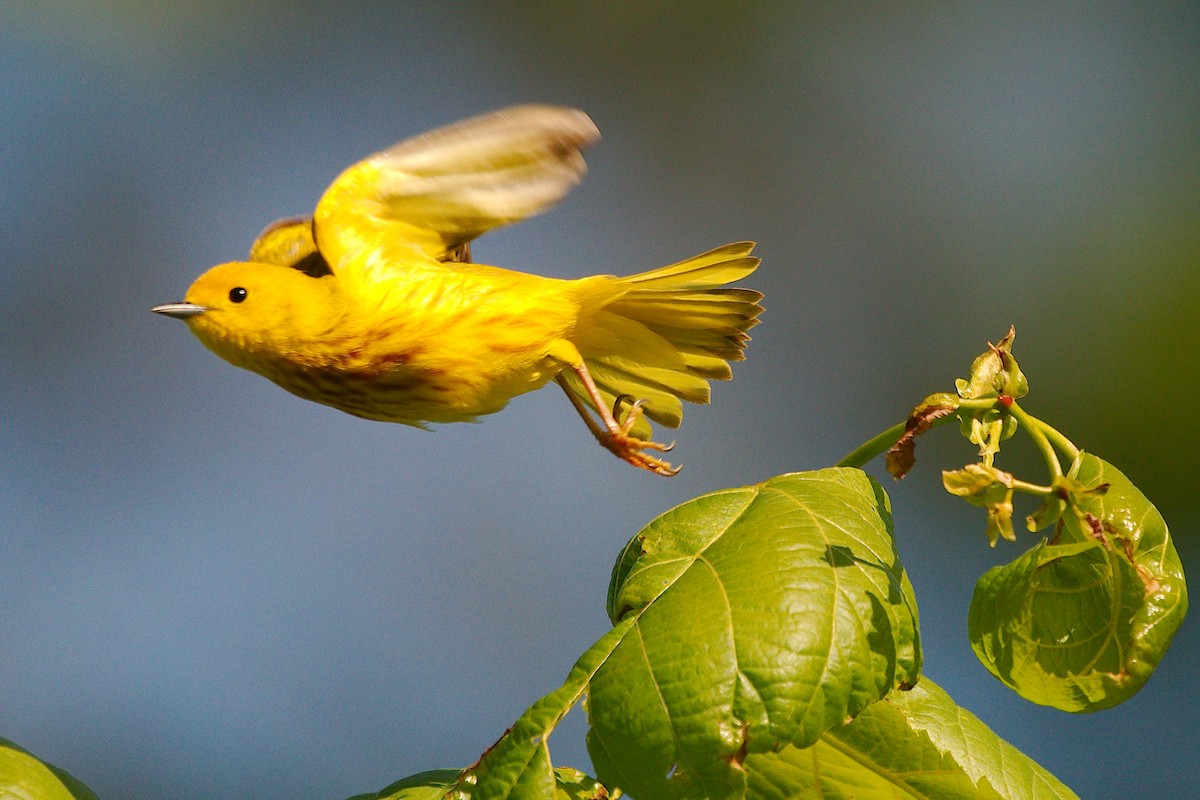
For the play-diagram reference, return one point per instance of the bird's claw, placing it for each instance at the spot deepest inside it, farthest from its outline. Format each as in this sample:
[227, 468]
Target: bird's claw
[631, 449]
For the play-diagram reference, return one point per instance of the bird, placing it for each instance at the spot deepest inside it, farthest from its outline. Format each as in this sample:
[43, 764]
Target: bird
[373, 305]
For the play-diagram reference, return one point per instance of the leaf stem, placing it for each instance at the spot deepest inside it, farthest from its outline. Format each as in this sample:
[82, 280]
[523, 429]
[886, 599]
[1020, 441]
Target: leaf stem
[1037, 431]
[1032, 488]
[1064, 445]
[859, 456]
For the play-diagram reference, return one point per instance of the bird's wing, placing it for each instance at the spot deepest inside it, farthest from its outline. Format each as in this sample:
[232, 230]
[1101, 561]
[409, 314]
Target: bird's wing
[437, 191]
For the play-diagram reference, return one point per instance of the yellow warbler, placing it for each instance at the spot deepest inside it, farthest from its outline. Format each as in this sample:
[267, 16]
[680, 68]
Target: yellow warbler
[372, 305]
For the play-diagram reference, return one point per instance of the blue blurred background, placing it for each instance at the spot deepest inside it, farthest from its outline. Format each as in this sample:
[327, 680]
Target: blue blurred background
[213, 589]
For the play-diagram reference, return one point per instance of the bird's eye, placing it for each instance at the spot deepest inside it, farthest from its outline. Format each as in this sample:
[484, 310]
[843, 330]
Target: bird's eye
[237, 294]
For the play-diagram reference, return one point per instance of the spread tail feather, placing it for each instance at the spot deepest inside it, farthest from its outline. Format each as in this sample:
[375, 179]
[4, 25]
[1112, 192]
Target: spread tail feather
[661, 336]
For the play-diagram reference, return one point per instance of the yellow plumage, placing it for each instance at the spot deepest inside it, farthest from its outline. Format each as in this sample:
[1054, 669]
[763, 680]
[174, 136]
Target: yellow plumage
[373, 307]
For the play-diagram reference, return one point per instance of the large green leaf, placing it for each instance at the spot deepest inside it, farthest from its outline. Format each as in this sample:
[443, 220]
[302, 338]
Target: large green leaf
[744, 620]
[24, 777]
[761, 617]
[1081, 624]
[915, 744]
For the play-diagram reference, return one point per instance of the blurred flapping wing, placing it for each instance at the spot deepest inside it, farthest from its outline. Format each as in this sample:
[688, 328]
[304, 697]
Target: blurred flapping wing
[435, 192]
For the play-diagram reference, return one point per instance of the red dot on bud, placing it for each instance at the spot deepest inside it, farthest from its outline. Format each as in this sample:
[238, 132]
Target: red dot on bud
[1006, 400]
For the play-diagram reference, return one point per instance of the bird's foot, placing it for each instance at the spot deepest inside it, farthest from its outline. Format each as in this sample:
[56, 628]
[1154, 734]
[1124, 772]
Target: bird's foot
[632, 450]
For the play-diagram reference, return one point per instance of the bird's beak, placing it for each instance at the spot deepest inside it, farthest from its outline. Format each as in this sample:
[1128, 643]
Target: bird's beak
[179, 310]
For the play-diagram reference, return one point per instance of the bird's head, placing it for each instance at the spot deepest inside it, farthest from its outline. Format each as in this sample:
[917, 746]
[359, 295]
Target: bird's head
[246, 312]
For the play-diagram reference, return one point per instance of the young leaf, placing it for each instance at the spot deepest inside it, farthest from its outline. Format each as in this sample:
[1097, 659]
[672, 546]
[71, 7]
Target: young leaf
[988, 487]
[570, 784]
[1081, 625]
[987, 430]
[518, 766]
[762, 617]
[995, 372]
[23, 776]
[902, 455]
[915, 744]
[431, 785]
[575, 785]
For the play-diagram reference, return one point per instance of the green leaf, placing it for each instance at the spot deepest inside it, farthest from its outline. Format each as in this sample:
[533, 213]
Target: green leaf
[518, 766]
[22, 776]
[575, 785]
[1048, 513]
[570, 784]
[760, 617]
[985, 486]
[431, 785]
[978, 484]
[1082, 624]
[914, 744]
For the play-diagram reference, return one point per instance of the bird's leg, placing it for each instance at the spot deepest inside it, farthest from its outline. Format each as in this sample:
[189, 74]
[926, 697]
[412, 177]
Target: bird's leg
[614, 434]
